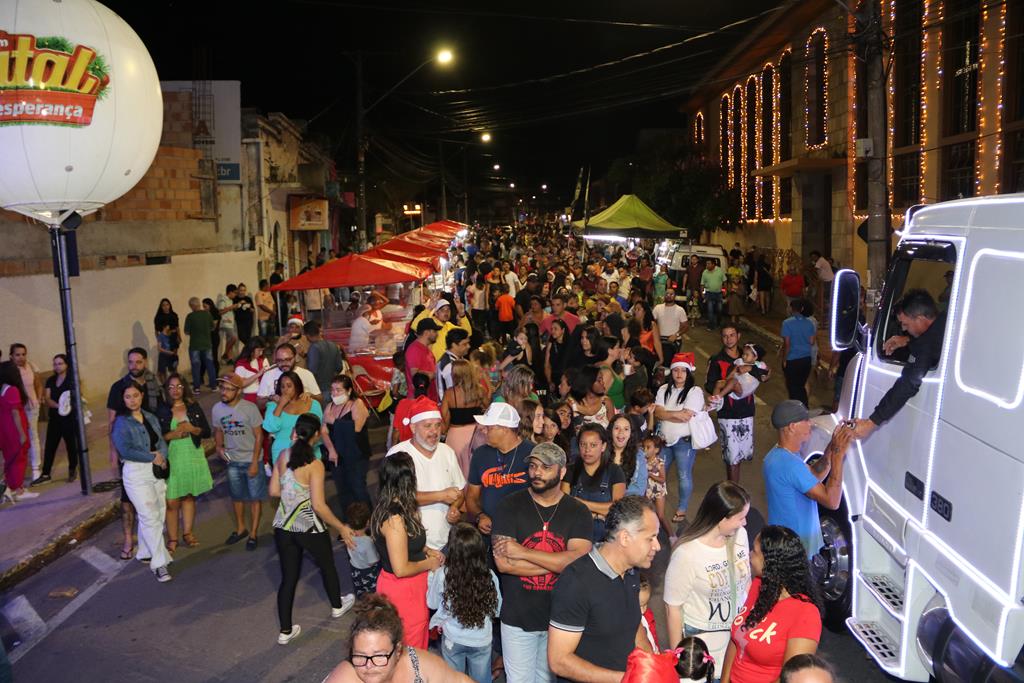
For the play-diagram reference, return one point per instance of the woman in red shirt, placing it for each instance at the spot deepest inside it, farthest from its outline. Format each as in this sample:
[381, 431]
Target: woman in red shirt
[782, 615]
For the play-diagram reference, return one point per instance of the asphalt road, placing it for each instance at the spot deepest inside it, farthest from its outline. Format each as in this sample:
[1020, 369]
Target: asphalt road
[91, 617]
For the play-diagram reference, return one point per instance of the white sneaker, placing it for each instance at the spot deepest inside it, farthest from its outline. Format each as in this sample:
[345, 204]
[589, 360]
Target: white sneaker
[285, 638]
[346, 604]
[162, 574]
[25, 494]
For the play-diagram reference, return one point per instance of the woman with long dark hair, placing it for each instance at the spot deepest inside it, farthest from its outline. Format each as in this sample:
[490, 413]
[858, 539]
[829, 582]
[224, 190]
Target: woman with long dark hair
[462, 403]
[465, 593]
[281, 415]
[594, 479]
[401, 542]
[782, 594]
[215, 332]
[536, 363]
[300, 525]
[14, 436]
[556, 355]
[648, 333]
[588, 397]
[61, 424]
[250, 365]
[676, 403]
[626, 453]
[347, 440]
[710, 566]
[611, 372]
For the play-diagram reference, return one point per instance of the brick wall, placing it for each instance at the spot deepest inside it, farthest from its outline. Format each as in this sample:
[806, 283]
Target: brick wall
[168, 192]
[177, 119]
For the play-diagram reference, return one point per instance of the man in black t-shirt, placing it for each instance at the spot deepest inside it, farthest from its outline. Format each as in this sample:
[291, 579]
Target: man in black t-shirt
[244, 314]
[537, 533]
[595, 609]
[736, 416]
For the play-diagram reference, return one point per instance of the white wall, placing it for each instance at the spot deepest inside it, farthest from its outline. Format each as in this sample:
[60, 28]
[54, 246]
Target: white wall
[114, 311]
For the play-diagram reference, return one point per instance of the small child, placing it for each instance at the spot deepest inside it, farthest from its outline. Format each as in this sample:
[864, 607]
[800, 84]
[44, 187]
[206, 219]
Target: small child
[656, 488]
[399, 386]
[641, 411]
[695, 662]
[364, 559]
[647, 620]
[464, 591]
[167, 362]
[746, 375]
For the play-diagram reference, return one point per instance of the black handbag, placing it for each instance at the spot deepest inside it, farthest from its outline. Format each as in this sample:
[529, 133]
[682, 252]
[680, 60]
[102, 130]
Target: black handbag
[162, 472]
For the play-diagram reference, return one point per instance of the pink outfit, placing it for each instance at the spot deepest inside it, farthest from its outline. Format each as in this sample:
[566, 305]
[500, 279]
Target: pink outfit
[15, 450]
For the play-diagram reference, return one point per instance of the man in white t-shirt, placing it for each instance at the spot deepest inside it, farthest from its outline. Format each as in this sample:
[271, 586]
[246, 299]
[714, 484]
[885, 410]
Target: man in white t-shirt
[440, 483]
[823, 269]
[509, 277]
[672, 324]
[284, 358]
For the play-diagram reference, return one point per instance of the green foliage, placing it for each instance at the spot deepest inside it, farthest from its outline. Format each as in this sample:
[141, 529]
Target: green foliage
[681, 185]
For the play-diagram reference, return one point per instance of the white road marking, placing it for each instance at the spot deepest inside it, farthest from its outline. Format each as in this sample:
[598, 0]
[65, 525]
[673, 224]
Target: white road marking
[103, 563]
[39, 631]
[24, 620]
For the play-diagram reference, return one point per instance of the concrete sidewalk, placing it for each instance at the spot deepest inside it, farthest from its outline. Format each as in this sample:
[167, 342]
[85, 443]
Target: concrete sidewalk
[38, 531]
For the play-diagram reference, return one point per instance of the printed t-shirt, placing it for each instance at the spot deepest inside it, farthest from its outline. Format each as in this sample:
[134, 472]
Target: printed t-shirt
[593, 600]
[697, 581]
[527, 599]
[498, 474]
[237, 423]
[436, 473]
[506, 308]
[787, 479]
[760, 650]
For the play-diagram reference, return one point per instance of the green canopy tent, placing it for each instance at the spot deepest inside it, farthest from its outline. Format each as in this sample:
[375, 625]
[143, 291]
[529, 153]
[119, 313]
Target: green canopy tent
[628, 217]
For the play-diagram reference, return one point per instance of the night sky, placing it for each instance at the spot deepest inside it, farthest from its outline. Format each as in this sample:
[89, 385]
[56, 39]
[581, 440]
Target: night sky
[291, 56]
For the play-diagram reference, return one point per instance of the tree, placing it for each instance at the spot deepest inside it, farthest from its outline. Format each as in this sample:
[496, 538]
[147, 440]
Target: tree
[679, 183]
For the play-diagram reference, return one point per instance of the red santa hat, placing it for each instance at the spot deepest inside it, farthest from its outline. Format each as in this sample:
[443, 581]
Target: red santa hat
[295, 318]
[684, 360]
[422, 409]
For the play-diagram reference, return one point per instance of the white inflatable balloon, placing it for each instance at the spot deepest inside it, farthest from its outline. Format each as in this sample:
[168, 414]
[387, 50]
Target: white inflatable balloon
[80, 107]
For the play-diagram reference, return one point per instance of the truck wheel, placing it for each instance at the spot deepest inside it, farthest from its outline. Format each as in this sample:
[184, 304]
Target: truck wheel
[837, 579]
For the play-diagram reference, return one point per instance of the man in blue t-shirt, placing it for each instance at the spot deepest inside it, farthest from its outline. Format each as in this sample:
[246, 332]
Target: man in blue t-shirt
[797, 339]
[497, 468]
[794, 488]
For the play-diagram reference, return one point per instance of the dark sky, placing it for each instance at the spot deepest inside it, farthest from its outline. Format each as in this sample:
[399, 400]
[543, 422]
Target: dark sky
[292, 56]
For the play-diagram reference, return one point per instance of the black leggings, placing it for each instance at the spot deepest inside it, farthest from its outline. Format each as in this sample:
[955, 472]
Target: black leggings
[797, 371]
[290, 545]
[58, 428]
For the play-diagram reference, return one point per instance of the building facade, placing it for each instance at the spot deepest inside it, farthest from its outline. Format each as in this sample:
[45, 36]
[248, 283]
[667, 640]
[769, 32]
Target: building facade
[783, 114]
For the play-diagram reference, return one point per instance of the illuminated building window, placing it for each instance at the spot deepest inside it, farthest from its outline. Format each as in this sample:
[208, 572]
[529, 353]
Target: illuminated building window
[816, 90]
[736, 124]
[960, 65]
[907, 44]
[724, 139]
[958, 170]
[698, 129]
[767, 129]
[750, 148]
[906, 180]
[785, 150]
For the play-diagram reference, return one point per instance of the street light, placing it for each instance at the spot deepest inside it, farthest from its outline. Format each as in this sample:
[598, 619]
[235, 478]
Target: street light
[497, 167]
[443, 57]
[512, 185]
[544, 187]
[485, 137]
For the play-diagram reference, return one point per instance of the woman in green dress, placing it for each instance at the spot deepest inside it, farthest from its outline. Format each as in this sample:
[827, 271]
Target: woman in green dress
[184, 426]
[613, 380]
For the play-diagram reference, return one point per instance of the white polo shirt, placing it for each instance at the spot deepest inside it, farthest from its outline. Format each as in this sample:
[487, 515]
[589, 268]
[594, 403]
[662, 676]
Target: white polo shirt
[270, 377]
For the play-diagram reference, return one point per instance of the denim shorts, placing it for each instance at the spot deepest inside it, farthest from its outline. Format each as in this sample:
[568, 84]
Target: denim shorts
[243, 487]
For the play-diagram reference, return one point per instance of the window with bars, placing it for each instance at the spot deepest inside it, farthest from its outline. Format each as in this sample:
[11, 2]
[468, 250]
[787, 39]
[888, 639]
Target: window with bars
[906, 169]
[960, 64]
[908, 46]
[785, 107]
[815, 92]
[767, 124]
[958, 170]
[724, 135]
[751, 133]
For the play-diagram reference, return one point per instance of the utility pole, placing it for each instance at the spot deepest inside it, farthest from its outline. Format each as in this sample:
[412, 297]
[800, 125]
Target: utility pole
[444, 189]
[872, 43]
[364, 229]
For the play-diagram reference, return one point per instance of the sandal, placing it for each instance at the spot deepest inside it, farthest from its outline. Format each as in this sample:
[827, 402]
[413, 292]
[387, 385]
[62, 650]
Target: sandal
[497, 668]
[172, 545]
[679, 517]
[190, 540]
[127, 554]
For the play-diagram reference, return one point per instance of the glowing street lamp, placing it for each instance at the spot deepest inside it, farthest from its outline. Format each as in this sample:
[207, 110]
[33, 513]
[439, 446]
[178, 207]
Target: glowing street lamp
[512, 185]
[445, 56]
[544, 187]
[497, 167]
[485, 137]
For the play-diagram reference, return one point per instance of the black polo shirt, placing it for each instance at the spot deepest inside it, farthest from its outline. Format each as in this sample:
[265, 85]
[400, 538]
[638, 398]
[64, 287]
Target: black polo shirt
[590, 598]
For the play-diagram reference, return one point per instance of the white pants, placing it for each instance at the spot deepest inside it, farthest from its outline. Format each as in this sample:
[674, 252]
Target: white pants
[35, 456]
[149, 496]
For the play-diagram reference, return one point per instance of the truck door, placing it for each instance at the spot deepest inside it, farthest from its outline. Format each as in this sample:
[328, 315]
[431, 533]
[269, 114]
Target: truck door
[896, 456]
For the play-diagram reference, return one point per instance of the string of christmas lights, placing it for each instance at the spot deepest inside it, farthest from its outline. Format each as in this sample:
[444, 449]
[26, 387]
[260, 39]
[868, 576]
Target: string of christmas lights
[822, 96]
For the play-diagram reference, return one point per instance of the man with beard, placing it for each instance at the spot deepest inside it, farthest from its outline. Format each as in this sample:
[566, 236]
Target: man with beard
[244, 314]
[284, 361]
[293, 336]
[672, 323]
[138, 373]
[536, 534]
[595, 609]
[420, 359]
[439, 480]
[736, 415]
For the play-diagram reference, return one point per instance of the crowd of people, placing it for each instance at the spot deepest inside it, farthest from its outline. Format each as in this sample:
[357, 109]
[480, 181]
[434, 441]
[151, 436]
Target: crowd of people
[541, 402]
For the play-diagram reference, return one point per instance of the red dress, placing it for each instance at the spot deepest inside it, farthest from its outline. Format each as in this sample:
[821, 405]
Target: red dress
[15, 451]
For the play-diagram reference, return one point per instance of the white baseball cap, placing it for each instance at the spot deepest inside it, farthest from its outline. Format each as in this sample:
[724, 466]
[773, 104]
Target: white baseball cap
[499, 415]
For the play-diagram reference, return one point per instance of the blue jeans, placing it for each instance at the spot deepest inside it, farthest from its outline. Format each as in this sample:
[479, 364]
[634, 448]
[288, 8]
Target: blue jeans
[713, 304]
[200, 360]
[525, 655]
[475, 662]
[683, 454]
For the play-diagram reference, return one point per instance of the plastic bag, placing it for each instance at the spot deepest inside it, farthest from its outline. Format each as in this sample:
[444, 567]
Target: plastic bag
[647, 667]
[702, 431]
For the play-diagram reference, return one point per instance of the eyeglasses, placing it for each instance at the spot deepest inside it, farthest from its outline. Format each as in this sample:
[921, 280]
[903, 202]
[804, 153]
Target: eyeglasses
[376, 660]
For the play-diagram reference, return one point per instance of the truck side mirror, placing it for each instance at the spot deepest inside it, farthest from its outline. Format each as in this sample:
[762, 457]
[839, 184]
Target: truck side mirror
[845, 310]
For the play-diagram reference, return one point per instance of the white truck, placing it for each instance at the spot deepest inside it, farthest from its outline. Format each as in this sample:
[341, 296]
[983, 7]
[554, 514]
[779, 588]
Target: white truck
[924, 556]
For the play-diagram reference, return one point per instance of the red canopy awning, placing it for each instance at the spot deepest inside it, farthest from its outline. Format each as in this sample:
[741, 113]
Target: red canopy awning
[356, 270]
[411, 247]
[438, 245]
[397, 253]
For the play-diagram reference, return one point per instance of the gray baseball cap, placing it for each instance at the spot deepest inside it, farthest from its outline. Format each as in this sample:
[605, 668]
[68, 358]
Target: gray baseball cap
[788, 412]
[548, 453]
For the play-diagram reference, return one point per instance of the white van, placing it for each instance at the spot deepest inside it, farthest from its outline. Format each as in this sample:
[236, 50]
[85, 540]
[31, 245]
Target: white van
[925, 556]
